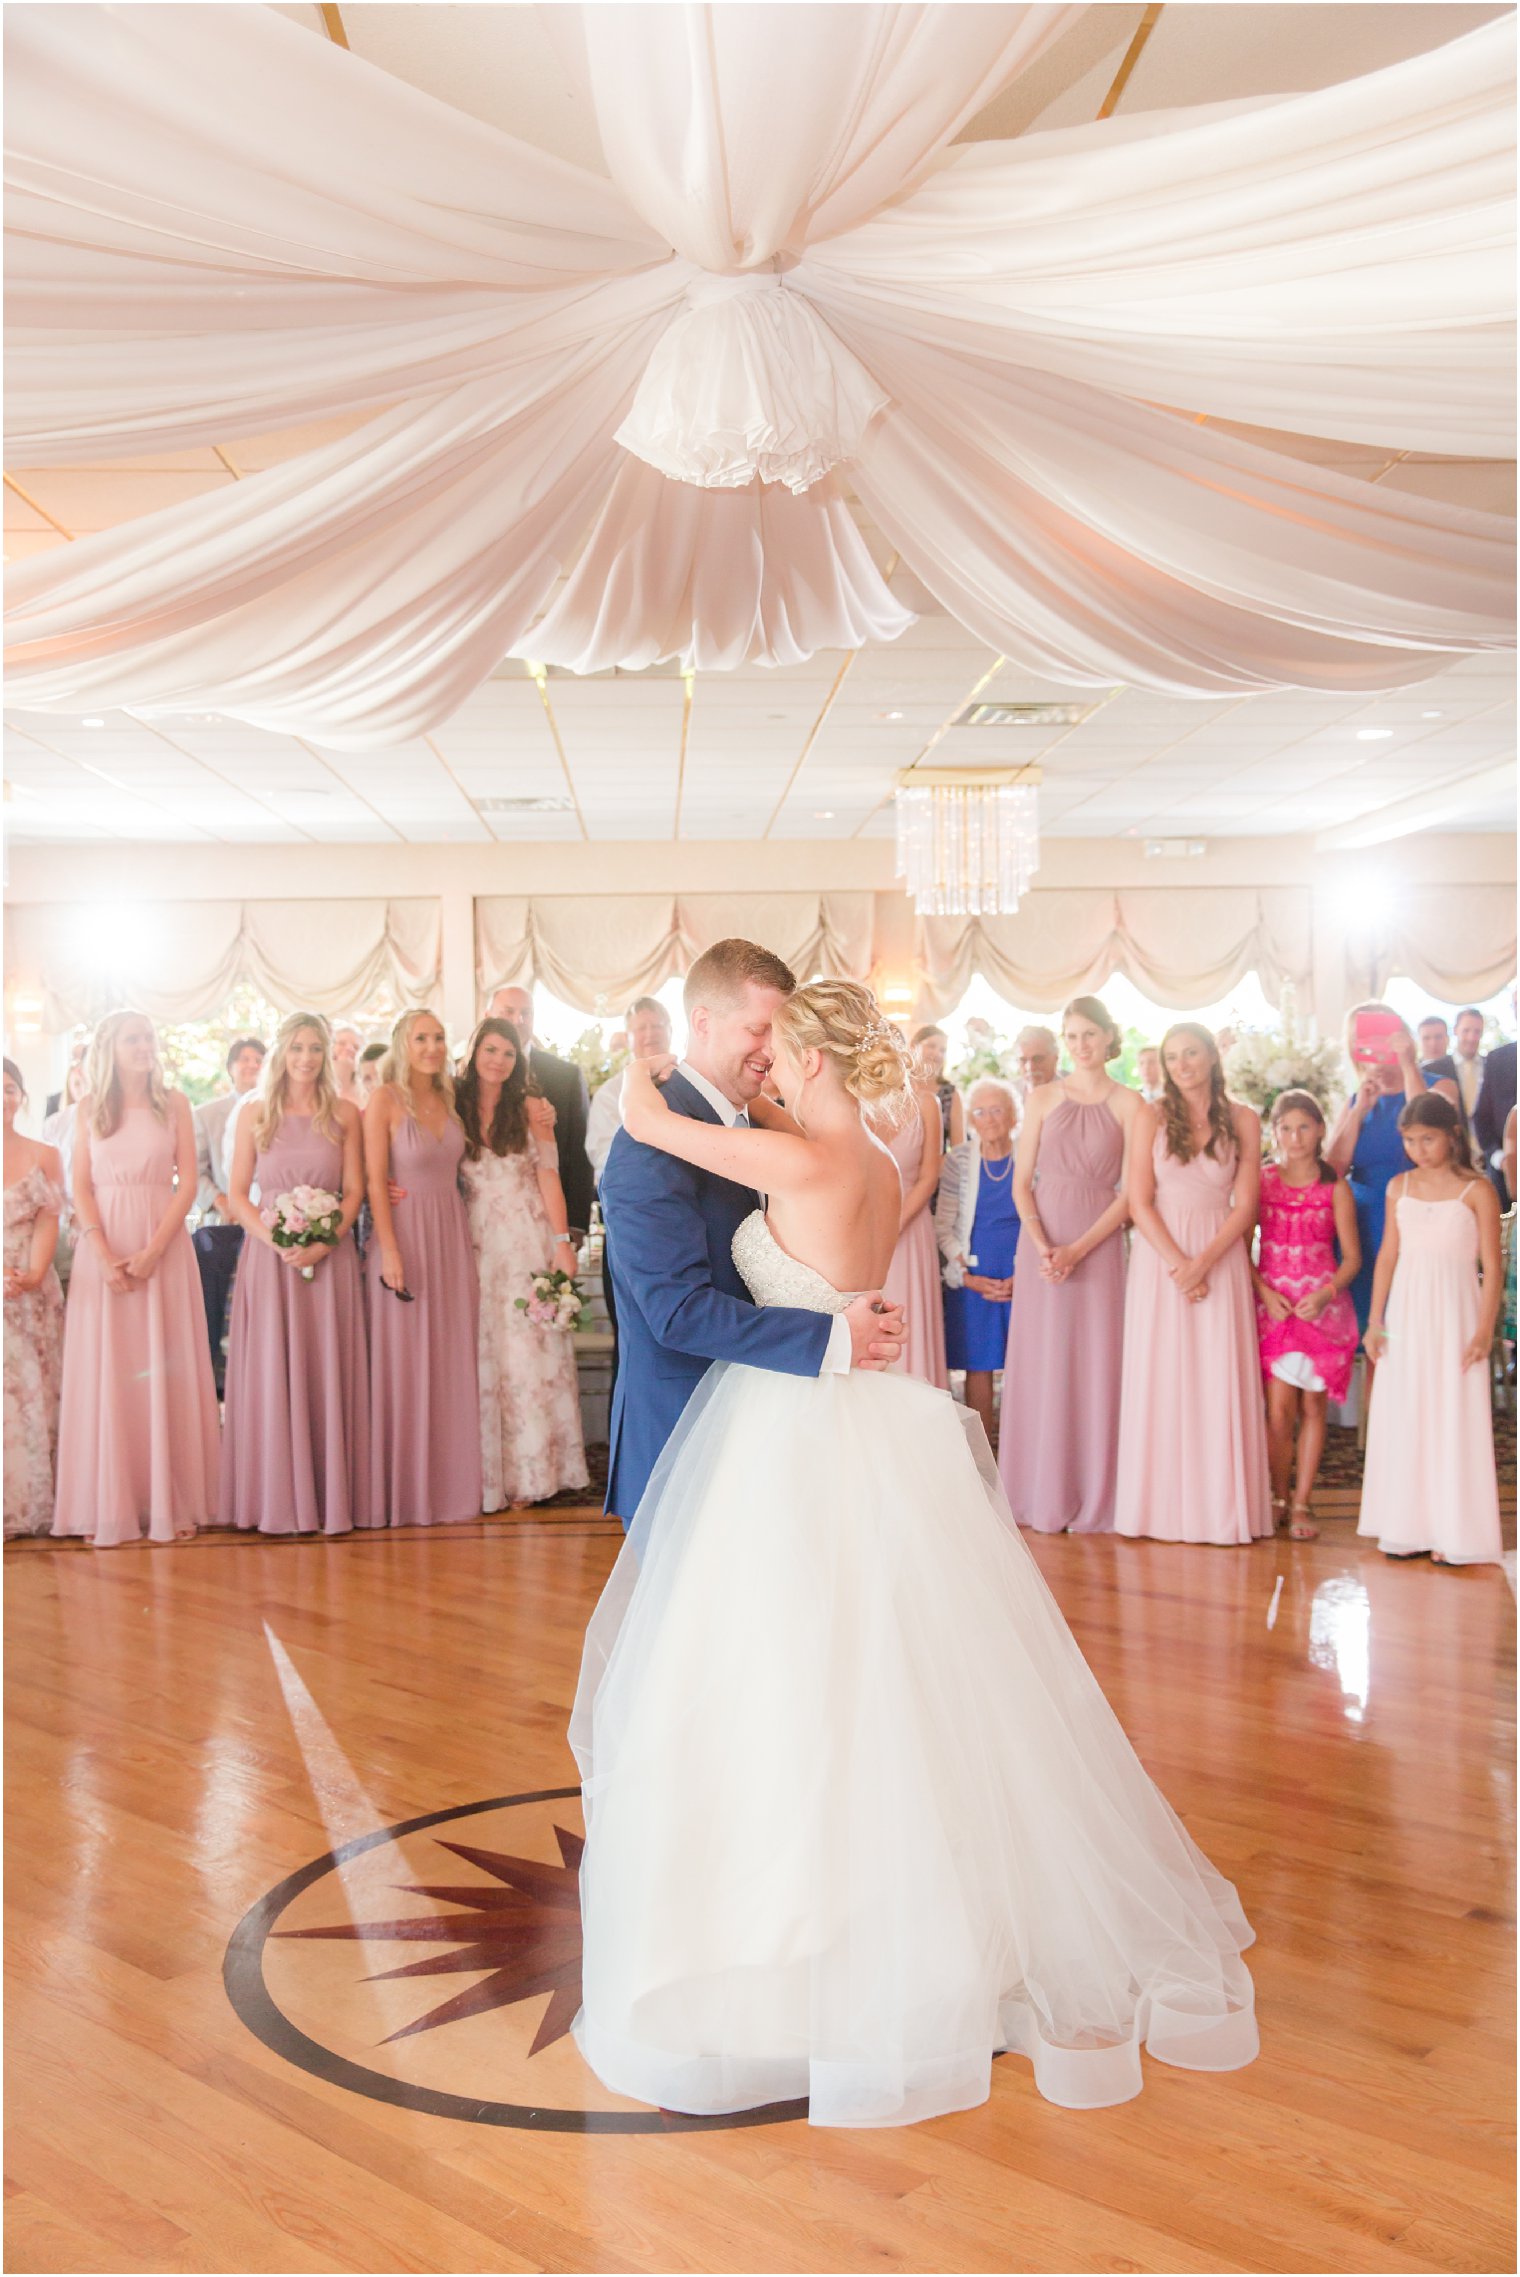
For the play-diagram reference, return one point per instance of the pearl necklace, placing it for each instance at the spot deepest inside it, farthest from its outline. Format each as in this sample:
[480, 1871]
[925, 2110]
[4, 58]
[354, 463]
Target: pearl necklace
[997, 1177]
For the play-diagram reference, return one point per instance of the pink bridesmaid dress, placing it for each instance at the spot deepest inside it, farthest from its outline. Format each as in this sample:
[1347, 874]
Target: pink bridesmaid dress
[137, 1433]
[1192, 1426]
[295, 1453]
[1058, 1437]
[913, 1277]
[1430, 1481]
[424, 1385]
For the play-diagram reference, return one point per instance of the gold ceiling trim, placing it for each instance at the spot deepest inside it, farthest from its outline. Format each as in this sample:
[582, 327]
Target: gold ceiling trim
[37, 507]
[236, 472]
[936, 738]
[539, 675]
[688, 699]
[810, 739]
[115, 782]
[332, 22]
[227, 782]
[1132, 55]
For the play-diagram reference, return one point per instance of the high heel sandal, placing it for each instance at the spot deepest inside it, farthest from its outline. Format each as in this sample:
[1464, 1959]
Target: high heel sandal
[1302, 1529]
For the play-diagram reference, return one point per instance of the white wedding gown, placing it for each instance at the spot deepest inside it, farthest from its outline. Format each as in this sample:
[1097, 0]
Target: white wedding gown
[858, 1814]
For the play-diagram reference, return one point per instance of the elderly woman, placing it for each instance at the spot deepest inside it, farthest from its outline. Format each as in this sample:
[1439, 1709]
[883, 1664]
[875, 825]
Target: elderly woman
[978, 1229]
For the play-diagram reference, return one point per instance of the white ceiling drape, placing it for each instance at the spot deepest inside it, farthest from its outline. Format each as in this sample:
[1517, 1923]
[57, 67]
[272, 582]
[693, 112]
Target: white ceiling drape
[218, 224]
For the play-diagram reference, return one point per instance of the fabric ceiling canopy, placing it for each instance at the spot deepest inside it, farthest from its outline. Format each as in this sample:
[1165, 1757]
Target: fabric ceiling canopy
[658, 383]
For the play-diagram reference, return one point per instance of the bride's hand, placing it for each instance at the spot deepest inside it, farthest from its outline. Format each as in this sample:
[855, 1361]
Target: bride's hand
[642, 1104]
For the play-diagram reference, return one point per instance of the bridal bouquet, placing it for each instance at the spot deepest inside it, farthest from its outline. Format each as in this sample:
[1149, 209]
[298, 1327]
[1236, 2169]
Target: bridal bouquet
[302, 1219]
[553, 1301]
[1267, 1062]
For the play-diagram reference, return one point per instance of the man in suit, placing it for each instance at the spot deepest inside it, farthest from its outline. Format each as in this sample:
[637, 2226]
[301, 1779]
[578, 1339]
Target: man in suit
[1496, 1096]
[646, 1032]
[1467, 1058]
[563, 1085]
[218, 1239]
[681, 1300]
[1436, 1062]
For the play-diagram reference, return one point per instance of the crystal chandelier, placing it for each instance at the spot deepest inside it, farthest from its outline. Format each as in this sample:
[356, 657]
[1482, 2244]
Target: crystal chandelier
[968, 841]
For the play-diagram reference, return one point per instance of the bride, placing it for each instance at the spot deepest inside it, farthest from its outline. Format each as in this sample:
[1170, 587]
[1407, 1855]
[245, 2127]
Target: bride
[858, 1815]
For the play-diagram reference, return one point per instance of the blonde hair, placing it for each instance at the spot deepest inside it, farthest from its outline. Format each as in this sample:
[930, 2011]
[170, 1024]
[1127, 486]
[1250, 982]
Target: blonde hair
[395, 1067]
[274, 1091]
[104, 1083]
[844, 1022]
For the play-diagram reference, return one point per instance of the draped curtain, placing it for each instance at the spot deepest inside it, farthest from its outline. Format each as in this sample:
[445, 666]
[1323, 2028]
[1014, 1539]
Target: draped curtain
[1456, 943]
[598, 954]
[219, 224]
[1182, 946]
[182, 960]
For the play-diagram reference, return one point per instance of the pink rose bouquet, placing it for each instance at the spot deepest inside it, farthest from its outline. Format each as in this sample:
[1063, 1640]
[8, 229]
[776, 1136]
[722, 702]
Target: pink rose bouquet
[553, 1301]
[306, 1218]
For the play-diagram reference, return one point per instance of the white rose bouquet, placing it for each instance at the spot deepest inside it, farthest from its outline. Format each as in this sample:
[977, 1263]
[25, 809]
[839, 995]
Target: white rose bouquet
[553, 1301]
[307, 1217]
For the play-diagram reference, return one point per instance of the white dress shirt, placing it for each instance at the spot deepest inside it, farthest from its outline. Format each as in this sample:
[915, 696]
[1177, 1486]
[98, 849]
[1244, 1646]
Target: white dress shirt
[836, 1358]
[604, 1122]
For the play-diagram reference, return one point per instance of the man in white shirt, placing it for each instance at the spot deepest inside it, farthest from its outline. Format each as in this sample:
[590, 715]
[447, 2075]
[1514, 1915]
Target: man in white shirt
[217, 1238]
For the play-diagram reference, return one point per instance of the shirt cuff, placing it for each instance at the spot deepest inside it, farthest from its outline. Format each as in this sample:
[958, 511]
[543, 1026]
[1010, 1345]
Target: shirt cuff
[836, 1358]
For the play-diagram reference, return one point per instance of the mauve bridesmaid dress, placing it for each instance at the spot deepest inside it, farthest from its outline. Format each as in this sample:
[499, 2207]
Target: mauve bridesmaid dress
[424, 1384]
[1192, 1427]
[295, 1445]
[1059, 1436]
[137, 1433]
[913, 1277]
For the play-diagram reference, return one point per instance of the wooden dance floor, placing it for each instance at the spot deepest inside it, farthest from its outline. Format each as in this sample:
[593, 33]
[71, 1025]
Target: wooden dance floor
[210, 2070]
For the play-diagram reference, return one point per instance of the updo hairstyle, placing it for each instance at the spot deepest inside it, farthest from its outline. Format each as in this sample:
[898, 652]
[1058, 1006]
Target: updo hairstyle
[844, 1022]
[1094, 1009]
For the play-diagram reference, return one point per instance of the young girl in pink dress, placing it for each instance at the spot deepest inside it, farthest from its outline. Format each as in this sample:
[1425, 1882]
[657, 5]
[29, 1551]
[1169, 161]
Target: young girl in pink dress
[137, 1436]
[1305, 1322]
[1429, 1482]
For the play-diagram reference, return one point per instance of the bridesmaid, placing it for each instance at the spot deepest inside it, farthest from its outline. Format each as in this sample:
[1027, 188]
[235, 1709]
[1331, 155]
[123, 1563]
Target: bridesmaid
[1058, 1447]
[34, 1201]
[295, 1455]
[917, 1144]
[137, 1435]
[1430, 1482]
[530, 1400]
[1192, 1437]
[1365, 1145]
[424, 1298]
[980, 1247]
[931, 1049]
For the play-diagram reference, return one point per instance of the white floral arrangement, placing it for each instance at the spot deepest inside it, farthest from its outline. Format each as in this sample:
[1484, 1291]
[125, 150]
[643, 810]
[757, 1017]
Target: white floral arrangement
[1265, 1062]
[305, 1218]
[553, 1301]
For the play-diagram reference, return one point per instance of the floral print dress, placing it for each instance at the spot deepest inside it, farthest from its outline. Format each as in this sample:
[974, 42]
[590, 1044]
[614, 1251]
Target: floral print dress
[1299, 1253]
[530, 1411]
[33, 1363]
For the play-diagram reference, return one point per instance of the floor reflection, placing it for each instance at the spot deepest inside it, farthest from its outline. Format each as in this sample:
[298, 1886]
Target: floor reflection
[1340, 1638]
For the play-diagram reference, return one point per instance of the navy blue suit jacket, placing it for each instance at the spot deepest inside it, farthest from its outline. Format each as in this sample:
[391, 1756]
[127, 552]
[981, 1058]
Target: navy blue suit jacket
[681, 1303]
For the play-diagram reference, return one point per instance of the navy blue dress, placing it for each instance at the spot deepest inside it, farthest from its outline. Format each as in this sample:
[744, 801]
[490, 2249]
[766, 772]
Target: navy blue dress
[976, 1331]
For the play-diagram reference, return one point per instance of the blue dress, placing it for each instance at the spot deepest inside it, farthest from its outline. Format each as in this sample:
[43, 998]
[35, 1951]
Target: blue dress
[976, 1332]
[1379, 1157]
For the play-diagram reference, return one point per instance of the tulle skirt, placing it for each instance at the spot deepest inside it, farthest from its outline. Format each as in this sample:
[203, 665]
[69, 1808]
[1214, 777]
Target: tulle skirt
[858, 1814]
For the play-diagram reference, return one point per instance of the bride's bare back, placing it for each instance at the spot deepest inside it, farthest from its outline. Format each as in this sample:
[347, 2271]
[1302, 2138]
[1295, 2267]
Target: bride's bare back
[844, 1222]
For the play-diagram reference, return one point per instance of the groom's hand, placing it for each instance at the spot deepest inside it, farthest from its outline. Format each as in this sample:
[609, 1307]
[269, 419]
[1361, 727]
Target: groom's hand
[877, 1330]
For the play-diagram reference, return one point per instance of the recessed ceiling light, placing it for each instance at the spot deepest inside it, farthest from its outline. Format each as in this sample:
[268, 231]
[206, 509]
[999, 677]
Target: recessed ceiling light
[1432, 715]
[823, 814]
[1373, 734]
[891, 715]
[94, 723]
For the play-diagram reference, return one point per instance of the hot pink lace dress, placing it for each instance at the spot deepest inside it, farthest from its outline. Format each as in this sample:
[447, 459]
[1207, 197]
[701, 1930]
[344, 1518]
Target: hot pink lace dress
[1298, 1253]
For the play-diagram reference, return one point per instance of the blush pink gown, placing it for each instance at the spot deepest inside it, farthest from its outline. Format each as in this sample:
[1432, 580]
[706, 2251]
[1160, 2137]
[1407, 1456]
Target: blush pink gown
[424, 1385]
[295, 1457]
[1060, 1419]
[1430, 1482]
[137, 1432]
[913, 1278]
[1192, 1424]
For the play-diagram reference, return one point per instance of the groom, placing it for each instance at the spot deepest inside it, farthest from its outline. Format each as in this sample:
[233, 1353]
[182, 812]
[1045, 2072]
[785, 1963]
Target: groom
[670, 1228]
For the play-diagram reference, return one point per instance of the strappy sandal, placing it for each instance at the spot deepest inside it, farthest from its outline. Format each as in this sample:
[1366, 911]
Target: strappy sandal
[1302, 1529]
[1279, 1512]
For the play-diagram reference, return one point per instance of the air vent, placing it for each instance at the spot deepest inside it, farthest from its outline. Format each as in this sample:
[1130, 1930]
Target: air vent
[1174, 849]
[1022, 715]
[523, 806]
